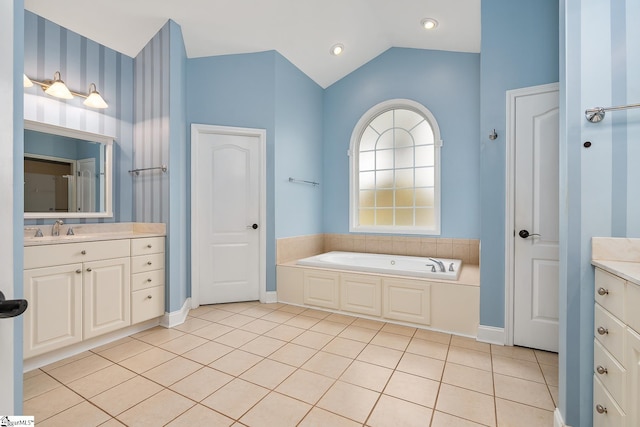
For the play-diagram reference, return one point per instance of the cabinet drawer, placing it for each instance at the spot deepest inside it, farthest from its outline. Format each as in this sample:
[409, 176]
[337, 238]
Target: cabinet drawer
[145, 263]
[610, 414]
[68, 253]
[407, 301]
[609, 293]
[613, 376]
[147, 245]
[147, 304]
[612, 336]
[148, 279]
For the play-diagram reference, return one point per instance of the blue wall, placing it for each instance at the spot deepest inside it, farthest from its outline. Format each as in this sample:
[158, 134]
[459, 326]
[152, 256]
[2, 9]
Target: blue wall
[519, 49]
[448, 84]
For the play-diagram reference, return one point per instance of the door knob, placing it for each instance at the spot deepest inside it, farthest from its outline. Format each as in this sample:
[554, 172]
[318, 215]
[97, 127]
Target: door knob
[12, 307]
[525, 234]
[254, 226]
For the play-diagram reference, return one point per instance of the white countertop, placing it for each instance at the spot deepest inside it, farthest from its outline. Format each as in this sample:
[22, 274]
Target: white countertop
[617, 255]
[93, 232]
[630, 271]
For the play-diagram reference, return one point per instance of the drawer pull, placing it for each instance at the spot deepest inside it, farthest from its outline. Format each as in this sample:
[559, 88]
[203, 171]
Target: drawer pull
[601, 409]
[603, 291]
[83, 252]
[602, 331]
[149, 280]
[78, 271]
[89, 269]
[602, 370]
[149, 246]
[148, 262]
[149, 297]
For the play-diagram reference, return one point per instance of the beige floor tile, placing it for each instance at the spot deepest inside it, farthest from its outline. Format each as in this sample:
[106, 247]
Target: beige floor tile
[236, 338]
[546, 357]
[124, 351]
[278, 316]
[293, 354]
[512, 414]
[207, 353]
[203, 309]
[32, 373]
[428, 348]
[38, 384]
[257, 312]
[426, 367]
[344, 347]
[66, 361]
[268, 373]
[235, 307]
[172, 371]
[201, 383]
[523, 391]
[433, 336]
[312, 339]
[358, 333]
[366, 375]
[212, 331]
[306, 386]
[521, 353]
[349, 400]
[112, 423]
[158, 410]
[284, 332]
[192, 324]
[148, 331]
[327, 364]
[319, 314]
[79, 368]
[216, 315]
[111, 344]
[147, 360]
[51, 403]
[292, 309]
[201, 416]
[82, 415]
[276, 410]
[235, 398]
[554, 394]
[100, 381]
[368, 324]
[470, 343]
[477, 407]
[382, 356]
[263, 346]
[236, 362]
[327, 327]
[390, 411]
[236, 321]
[340, 318]
[472, 358]
[259, 326]
[415, 389]
[183, 344]
[302, 322]
[517, 368]
[550, 373]
[125, 395]
[440, 419]
[394, 341]
[407, 331]
[320, 418]
[469, 378]
[161, 336]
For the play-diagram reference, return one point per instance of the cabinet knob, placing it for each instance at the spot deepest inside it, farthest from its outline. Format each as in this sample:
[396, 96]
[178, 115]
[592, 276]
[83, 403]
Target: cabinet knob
[601, 370]
[149, 297]
[603, 291]
[602, 331]
[601, 409]
[149, 246]
[83, 252]
[148, 262]
[89, 269]
[78, 271]
[149, 280]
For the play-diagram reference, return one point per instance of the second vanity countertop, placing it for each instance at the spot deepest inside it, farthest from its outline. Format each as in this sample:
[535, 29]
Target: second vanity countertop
[93, 232]
[617, 255]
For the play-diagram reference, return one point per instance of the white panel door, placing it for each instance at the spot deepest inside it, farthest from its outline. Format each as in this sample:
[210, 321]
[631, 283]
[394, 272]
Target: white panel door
[227, 216]
[86, 185]
[536, 251]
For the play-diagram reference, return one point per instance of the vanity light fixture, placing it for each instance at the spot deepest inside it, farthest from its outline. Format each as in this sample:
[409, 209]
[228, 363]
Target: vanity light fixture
[58, 89]
[337, 49]
[429, 23]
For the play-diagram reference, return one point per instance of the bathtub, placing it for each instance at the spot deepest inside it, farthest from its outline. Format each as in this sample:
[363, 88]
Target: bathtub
[386, 264]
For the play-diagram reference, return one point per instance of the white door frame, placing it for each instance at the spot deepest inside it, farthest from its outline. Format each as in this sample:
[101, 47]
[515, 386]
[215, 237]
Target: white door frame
[510, 200]
[196, 131]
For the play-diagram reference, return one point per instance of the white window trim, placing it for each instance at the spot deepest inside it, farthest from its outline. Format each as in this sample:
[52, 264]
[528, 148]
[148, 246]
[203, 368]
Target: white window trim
[354, 169]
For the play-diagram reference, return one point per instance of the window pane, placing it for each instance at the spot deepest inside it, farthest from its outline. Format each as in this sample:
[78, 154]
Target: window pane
[425, 197]
[367, 161]
[404, 158]
[384, 159]
[385, 140]
[402, 138]
[369, 139]
[423, 134]
[425, 218]
[384, 179]
[404, 198]
[367, 217]
[367, 179]
[404, 178]
[404, 217]
[406, 119]
[424, 155]
[384, 198]
[367, 198]
[384, 217]
[383, 122]
[424, 177]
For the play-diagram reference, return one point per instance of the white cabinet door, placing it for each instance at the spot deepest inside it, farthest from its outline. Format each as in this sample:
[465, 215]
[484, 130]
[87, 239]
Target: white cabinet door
[632, 363]
[322, 289]
[360, 294]
[407, 301]
[107, 296]
[54, 317]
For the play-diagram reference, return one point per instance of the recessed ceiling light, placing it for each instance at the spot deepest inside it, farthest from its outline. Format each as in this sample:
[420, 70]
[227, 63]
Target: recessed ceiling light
[429, 23]
[337, 49]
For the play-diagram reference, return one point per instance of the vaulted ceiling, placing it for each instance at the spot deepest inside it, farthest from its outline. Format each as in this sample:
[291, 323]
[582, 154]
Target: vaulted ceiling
[303, 31]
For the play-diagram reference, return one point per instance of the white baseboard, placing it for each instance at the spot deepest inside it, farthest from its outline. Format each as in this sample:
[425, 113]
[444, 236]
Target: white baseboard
[271, 297]
[175, 318]
[491, 335]
[557, 419]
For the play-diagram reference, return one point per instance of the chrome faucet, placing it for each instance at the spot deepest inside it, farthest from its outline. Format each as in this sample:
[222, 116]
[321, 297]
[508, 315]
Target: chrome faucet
[55, 229]
[439, 263]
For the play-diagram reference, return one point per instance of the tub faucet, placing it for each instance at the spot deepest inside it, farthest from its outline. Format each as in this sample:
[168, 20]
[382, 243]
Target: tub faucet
[439, 263]
[55, 229]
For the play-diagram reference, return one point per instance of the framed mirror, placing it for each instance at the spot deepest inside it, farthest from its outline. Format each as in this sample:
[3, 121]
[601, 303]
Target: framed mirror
[67, 172]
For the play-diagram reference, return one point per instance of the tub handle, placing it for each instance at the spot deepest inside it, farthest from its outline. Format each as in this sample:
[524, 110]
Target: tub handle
[433, 267]
[451, 267]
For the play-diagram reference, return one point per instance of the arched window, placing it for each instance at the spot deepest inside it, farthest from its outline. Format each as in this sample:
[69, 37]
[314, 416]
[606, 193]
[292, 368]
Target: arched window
[395, 170]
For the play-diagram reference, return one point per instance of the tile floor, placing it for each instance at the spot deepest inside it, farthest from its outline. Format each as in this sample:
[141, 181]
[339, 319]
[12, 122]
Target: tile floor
[278, 365]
